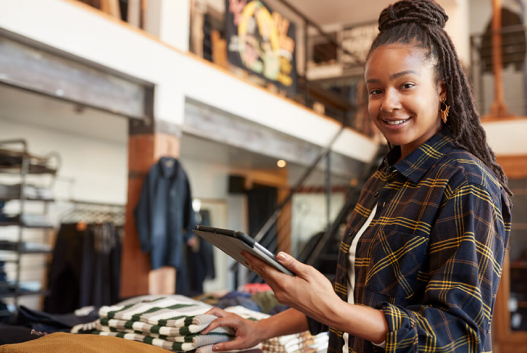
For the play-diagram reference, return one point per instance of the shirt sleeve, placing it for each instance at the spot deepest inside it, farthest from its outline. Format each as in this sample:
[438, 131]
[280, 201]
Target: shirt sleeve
[466, 251]
[189, 217]
[316, 327]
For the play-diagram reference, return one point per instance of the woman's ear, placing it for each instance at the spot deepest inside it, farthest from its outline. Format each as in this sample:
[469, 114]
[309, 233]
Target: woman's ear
[441, 89]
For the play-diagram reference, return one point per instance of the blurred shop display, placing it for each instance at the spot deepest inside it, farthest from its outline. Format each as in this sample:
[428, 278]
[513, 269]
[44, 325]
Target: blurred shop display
[34, 177]
[131, 11]
[518, 256]
[513, 42]
[262, 41]
[265, 47]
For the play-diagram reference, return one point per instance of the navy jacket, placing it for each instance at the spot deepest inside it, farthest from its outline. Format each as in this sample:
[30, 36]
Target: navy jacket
[164, 216]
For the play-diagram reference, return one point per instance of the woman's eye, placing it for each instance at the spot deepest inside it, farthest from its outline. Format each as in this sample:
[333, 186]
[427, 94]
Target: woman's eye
[374, 92]
[408, 85]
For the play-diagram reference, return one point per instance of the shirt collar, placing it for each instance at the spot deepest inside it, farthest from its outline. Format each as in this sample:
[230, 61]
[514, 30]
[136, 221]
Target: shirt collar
[169, 166]
[416, 164]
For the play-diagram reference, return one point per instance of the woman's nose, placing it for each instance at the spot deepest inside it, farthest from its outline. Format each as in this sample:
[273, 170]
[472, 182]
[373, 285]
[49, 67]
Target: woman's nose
[391, 101]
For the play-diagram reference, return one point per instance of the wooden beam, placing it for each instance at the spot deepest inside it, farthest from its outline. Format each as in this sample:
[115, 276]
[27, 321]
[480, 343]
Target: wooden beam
[35, 67]
[515, 166]
[216, 125]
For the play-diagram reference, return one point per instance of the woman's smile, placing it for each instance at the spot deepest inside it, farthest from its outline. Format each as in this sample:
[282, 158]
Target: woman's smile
[396, 124]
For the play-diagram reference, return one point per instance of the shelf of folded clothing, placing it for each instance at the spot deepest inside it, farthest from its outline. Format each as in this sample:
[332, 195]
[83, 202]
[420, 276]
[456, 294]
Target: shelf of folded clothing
[22, 292]
[11, 162]
[33, 169]
[36, 251]
[11, 192]
[9, 289]
[29, 226]
[25, 221]
[39, 199]
[26, 247]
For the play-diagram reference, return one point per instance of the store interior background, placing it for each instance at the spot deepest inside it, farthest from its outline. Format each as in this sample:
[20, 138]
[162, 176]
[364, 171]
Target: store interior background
[94, 145]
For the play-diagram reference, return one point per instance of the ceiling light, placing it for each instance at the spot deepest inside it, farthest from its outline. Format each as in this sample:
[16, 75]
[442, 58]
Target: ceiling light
[281, 163]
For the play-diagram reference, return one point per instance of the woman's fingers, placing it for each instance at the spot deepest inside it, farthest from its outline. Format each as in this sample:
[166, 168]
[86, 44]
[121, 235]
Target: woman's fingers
[246, 332]
[237, 343]
[217, 312]
[229, 321]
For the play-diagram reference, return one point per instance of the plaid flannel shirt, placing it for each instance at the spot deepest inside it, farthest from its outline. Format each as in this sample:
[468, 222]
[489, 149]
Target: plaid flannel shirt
[432, 257]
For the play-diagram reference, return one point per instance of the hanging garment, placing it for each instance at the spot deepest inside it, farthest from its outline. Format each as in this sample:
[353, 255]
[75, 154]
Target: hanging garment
[85, 269]
[200, 262]
[164, 216]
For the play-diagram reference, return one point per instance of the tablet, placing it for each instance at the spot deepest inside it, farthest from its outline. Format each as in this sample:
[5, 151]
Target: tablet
[233, 243]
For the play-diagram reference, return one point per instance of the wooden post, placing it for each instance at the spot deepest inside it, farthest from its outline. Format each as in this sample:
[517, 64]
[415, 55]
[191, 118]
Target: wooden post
[498, 108]
[147, 143]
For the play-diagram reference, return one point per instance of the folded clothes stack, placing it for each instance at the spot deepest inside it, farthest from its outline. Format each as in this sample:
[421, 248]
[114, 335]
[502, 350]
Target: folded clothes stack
[31, 192]
[174, 323]
[165, 322]
[301, 342]
[296, 343]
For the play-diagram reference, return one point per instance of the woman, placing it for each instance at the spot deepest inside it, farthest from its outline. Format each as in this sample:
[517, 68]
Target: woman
[420, 262]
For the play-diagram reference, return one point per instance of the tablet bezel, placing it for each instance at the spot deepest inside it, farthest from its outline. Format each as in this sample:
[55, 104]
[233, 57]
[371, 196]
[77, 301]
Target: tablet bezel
[233, 243]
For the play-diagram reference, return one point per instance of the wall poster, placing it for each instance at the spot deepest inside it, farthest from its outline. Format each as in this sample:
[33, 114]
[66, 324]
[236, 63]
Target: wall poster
[261, 41]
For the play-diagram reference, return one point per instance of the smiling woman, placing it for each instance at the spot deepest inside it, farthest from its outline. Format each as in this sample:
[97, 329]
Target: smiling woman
[420, 262]
[403, 89]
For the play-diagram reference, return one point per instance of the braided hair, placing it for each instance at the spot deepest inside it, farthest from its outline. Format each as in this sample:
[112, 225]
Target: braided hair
[420, 23]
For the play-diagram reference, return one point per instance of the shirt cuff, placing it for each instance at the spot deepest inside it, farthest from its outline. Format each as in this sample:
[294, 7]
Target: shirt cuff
[380, 345]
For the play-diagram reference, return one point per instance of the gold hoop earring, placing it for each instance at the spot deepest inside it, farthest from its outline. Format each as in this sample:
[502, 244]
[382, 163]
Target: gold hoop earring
[444, 110]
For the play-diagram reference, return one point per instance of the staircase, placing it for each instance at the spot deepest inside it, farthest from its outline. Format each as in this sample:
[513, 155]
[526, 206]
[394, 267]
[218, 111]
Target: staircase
[321, 251]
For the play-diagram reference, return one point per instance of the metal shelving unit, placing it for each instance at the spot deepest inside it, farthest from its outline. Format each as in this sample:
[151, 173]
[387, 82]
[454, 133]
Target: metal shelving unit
[15, 159]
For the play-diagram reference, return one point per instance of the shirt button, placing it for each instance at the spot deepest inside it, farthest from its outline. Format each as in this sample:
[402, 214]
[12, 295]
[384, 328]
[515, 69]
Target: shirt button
[376, 193]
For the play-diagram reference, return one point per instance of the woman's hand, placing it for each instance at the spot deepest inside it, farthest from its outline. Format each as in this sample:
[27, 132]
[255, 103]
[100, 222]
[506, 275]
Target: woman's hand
[248, 334]
[309, 292]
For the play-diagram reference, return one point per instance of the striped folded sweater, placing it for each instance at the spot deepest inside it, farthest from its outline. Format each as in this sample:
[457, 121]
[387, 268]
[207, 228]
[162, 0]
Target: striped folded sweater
[164, 322]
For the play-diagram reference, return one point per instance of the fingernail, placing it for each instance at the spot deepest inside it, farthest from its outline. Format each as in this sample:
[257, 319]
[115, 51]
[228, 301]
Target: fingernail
[282, 256]
[215, 348]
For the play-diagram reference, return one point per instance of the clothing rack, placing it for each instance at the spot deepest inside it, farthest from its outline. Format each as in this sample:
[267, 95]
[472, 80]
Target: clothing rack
[94, 212]
[86, 257]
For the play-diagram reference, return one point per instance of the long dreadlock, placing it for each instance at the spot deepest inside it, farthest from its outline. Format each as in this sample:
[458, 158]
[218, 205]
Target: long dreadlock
[421, 23]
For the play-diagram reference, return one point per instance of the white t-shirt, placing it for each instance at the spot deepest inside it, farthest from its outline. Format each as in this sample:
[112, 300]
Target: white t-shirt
[351, 270]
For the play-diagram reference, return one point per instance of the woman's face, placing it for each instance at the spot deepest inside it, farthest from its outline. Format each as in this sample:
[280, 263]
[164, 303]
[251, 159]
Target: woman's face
[404, 95]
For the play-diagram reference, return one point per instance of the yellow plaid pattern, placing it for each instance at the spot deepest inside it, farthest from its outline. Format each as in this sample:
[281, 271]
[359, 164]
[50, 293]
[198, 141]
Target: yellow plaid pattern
[432, 257]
